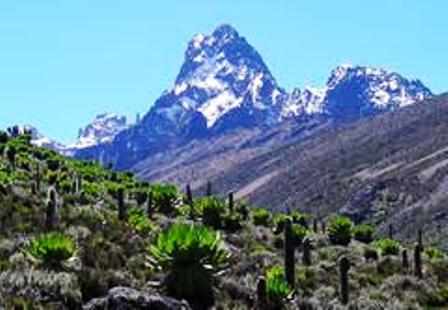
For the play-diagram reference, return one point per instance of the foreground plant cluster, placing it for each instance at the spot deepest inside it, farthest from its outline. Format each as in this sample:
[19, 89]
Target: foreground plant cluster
[74, 235]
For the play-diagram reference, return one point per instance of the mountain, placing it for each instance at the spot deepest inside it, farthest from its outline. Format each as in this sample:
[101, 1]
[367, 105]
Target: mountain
[224, 86]
[100, 131]
[353, 92]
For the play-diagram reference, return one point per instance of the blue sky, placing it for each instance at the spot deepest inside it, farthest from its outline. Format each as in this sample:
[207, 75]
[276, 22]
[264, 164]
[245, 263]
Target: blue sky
[63, 62]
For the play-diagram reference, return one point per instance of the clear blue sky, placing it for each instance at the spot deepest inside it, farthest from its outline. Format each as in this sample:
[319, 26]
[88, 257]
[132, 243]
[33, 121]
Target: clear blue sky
[63, 62]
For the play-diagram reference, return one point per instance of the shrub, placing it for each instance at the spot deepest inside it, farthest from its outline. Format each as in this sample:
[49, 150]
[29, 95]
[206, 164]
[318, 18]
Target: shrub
[164, 196]
[53, 163]
[212, 210]
[299, 233]
[364, 233]
[433, 253]
[190, 254]
[138, 221]
[388, 246]
[277, 288]
[260, 216]
[300, 218]
[339, 230]
[279, 222]
[52, 249]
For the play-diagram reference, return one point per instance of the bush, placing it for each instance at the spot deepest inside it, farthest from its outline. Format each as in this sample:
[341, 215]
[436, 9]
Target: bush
[339, 230]
[52, 249]
[433, 253]
[212, 210]
[138, 221]
[279, 222]
[260, 217]
[300, 218]
[190, 254]
[364, 233]
[388, 246]
[164, 196]
[299, 233]
[277, 288]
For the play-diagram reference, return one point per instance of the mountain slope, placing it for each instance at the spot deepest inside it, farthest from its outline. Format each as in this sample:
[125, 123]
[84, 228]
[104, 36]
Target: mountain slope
[390, 168]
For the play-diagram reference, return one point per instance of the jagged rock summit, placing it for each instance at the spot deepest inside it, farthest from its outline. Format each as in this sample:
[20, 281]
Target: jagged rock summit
[224, 85]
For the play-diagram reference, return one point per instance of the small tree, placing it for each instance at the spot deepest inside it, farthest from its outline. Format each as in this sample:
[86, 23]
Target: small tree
[340, 230]
[364, 233]
[191, 255]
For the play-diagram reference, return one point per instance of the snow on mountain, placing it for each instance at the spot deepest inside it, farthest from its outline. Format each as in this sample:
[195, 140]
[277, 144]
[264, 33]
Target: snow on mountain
[221, 73]
[355, 91]
[224, 85]
[40, 140]
[103, 129]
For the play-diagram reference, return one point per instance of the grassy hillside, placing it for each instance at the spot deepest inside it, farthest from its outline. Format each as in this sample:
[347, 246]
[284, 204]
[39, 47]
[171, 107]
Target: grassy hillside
[72, 230]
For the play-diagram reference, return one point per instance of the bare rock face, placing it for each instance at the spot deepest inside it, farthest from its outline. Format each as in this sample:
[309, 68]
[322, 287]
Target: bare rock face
[125, 298]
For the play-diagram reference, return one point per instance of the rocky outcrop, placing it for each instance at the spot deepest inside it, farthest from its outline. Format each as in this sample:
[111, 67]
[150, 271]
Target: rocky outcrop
[125, 298]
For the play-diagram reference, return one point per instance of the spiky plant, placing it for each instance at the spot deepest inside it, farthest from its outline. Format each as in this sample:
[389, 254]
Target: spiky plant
[211, 210]
[364, 233]
[277, 288]
[164, 197]
[191, 255]
[261, 216]
[433, 253]
[138, 221]
[388, 246]
[52, 249]
[340, 230]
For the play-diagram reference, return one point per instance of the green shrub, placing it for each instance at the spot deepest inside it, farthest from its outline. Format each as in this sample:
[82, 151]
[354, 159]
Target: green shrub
[138, 221]
[300, 218]
[164, 197]
[277, 288]
[211, 210]
[433, 253]
[388, 246]
[53, 163]
[364, 233]
[190, 254]
[340, 230]
[52, 249]
[279, 222]
[299, 233]
[260, 216]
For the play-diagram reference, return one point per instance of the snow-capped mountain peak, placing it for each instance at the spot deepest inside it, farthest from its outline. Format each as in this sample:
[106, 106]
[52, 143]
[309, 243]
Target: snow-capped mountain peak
[354, 91]
[103, 129]
[222, 73]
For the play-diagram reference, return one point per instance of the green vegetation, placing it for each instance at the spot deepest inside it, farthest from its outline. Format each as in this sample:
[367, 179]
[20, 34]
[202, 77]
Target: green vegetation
[52, 249]
[388, 246]
[72, 230]
[340, 230]
[364, 233]
[261, 216]
[276, 286]
[433, 253]
[191, 255]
